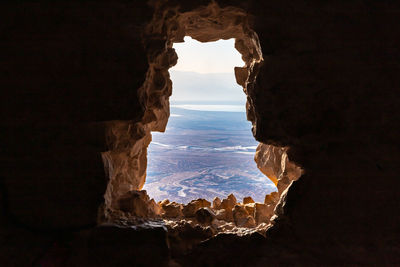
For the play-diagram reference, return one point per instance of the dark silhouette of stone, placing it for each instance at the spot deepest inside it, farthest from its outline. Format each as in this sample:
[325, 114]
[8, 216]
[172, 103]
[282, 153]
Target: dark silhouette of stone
[205, 215]
[83, 85]
[190, 209]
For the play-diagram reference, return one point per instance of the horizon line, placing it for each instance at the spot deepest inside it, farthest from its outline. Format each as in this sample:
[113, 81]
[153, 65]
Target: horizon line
[233, 72]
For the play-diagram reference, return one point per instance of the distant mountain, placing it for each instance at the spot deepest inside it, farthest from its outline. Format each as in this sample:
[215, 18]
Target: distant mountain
[205, 87]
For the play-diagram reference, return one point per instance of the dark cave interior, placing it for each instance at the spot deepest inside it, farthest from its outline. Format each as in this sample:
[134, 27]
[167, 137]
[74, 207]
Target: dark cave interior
[84, 84]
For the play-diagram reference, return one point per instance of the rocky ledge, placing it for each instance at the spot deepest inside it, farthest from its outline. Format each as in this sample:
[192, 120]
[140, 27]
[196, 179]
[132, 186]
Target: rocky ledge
[226, 215]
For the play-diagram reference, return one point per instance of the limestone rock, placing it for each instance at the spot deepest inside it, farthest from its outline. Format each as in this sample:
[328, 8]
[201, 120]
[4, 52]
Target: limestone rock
[154, 207]
[239, 215]
[190, 209]
[263, 213]
[229, 202]
[137, 203]
[250, 207]
[275, 164]
[247, 200]
[164, 202]
[272, 198]
[242, 217]
[172, 210]
[222, 225]
[250, 222]
[225, 215]
[216, 203]
[205, 215]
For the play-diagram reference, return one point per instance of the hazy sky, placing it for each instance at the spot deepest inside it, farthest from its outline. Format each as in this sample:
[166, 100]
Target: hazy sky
[205, 73]
[212, 57]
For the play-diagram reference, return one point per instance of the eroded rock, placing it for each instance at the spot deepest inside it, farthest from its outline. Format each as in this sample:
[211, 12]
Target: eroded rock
[229, 202]
[172, 210]
[183, 236]
[247, 200]
[154, 208]
[225, 215]
[271, 198]
[242, 217]
[216, 203]
[263, 213]
[205, 215]
[137, 203]
[190, 209]
[222, 225]
[164, 202]
[250, 207]
[275, 164]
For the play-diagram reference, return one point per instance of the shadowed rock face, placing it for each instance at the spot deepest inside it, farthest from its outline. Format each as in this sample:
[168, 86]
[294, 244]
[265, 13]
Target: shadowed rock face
[72, 84]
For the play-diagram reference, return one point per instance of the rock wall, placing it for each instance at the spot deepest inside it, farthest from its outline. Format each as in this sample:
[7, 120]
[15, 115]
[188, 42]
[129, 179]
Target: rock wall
[73, 73]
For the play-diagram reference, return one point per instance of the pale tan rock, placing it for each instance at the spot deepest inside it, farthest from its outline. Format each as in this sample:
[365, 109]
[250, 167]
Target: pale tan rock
[221, 225]
[250, 207]
[247, 200]
[225, 215]
[172, 210]
[216, 203]
[272, 198]
[240, 215]
[125, 163]
[227, 226]
[241, 75]
[229, 202]
[190, 209]
[205, 215]
[250, 222]
[263, 213]
[275, 164]
[164, 202]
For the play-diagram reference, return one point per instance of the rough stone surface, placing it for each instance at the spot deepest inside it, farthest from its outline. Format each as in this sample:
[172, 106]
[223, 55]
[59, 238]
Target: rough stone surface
[271, 198]
[205, 215]
[250, 207]
[183, 236]
[247, 200]
[242, 217]
[274, 163]
[190, 209]
[229, 202]
[225, 215]
[164, 202]
[137, 203]
[216, 203]
[172, 210]
[263, 212]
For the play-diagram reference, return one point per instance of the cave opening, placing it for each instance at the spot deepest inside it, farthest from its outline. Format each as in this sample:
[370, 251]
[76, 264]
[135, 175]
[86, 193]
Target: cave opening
[207, 150]
[126, 161]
